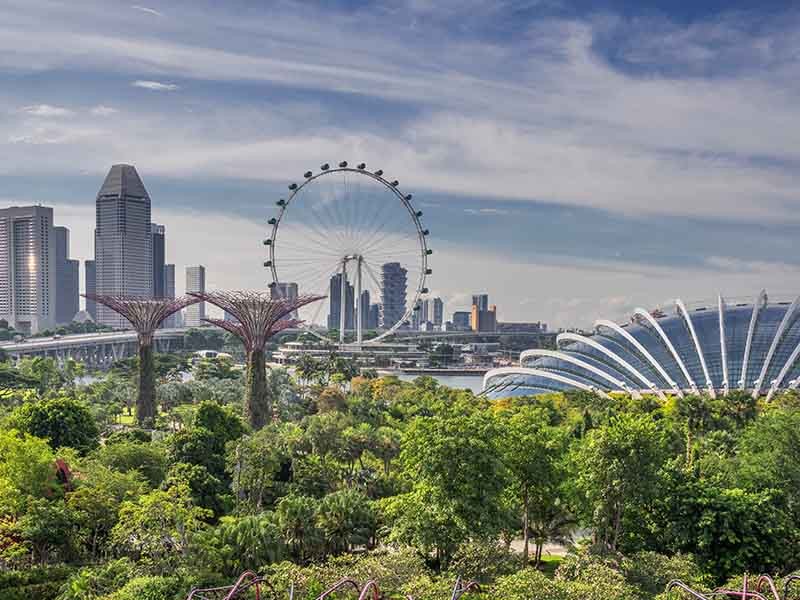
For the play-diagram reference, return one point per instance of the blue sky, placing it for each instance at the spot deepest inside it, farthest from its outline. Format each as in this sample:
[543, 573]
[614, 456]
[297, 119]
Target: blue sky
[575, 160]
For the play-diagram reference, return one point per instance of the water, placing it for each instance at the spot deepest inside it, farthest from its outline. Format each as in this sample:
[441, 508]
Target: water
[469, 382]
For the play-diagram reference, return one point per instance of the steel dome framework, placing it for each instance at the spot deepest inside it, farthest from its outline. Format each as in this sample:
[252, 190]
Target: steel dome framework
[753, 347]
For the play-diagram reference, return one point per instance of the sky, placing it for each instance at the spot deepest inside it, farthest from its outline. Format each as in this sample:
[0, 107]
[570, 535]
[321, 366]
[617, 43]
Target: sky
[575, 160]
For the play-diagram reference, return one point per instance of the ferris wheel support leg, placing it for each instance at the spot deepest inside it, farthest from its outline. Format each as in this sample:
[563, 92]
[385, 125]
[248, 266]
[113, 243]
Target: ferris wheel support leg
[357, 302]
[343, 302]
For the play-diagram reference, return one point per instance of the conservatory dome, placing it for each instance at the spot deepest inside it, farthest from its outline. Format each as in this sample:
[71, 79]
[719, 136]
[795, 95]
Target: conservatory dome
[752, 346]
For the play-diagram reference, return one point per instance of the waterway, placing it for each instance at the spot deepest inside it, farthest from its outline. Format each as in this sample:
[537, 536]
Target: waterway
[469, 382]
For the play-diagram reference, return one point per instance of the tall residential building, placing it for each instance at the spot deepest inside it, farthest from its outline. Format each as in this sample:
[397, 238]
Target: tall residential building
[90, 283]
[159, 258]
[481, 301]
[394, 279]
[438, 312]
[123, 241]
[195, 282]
[169, 292]
[67, 276]
[335, 296]
[288, 291]
[374, 316]
[27, 268]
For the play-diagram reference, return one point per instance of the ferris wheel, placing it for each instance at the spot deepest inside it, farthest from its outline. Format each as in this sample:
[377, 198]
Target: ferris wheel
[351, 235]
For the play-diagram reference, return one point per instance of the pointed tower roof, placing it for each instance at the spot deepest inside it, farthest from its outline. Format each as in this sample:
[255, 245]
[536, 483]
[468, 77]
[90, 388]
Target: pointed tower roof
[123, 180]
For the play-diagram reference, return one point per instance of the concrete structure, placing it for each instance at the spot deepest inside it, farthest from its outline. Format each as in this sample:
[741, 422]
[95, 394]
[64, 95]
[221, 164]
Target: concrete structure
[169, 292]
[195, 282]
[461, 320]
[27, 268]
[753, 347]
[481, 301]
[438, 312]
[483, 320]
[123, 241]
[90, 286]
[394, 283]
[335, 297]
[157, 233]
[67, 279]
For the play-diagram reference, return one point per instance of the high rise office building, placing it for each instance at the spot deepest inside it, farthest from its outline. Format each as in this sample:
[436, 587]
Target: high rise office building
[364, 308]
[286, 291]
[438, 312]
[123, 241]
[461, 320]
[394, 280]
[195, 282]
[169, 292]
[90, 284]
[159, 258]
[335, 296]
[483, 320]
[27, 268]
[67, 276]
[481, 301]
[374, 316]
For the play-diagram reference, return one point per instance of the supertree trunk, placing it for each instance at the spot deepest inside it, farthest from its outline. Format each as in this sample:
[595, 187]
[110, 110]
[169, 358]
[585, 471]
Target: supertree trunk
[257, 401]
[146, 400]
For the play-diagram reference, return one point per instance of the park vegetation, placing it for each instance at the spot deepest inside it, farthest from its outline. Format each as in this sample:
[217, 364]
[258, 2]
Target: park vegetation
[409, 483]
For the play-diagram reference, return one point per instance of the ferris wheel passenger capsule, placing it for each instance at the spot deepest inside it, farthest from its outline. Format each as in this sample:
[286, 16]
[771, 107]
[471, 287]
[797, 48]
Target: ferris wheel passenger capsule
[343, 164]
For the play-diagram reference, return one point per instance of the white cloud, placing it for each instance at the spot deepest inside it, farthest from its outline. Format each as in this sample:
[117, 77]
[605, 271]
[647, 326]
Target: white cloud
[151, 11]
[155, 86]
[103, 111]
[46, 111]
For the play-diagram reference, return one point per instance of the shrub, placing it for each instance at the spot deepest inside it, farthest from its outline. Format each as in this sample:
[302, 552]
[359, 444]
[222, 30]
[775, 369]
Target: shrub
[529, 584]
[95, 582]
[150, 588]
[483, 560]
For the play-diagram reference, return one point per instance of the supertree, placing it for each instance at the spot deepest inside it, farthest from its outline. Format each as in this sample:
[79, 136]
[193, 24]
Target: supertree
[145, 315]
[256, 317]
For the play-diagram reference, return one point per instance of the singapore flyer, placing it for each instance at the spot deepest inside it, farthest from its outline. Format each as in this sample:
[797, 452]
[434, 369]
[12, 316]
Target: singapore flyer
[350, 234]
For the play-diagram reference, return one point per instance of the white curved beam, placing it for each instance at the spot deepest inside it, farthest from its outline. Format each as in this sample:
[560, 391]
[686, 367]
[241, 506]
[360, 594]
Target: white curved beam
[545, 375]
[760, 299]
[538, 352]
[644, 351]
[786, 322]
[721, 306]
[790, 362]
[573, 337]
[640, 312]
[682, 310]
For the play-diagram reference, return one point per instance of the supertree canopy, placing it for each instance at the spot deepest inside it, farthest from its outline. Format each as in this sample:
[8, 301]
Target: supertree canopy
[256, 317]
[145, 315]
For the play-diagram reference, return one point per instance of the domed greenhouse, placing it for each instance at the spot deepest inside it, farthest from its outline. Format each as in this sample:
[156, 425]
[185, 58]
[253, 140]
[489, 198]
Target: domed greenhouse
[750, 346]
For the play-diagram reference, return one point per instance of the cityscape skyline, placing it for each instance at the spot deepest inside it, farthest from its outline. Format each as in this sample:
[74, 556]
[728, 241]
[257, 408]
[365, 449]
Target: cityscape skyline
[589, 208]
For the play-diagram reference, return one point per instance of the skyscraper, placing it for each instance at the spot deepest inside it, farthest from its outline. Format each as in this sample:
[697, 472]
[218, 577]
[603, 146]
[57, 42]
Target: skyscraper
[90, 283]
[195, 282]
[123, 240]
[438, 312]
[363, 307]
[481, 301]
[157, 232]
[27, 268]
[169, 292]
[461, 320]
[393, 294]
[67, 293]
[335, 296]
[286, 291]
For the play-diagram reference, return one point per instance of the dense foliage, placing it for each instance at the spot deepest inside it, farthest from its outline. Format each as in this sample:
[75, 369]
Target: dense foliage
[411, 483]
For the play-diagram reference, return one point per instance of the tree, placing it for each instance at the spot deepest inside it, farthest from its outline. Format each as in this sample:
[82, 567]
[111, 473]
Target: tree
[252, 465]
[616, 472]
[220, 367]
[453, 464]
[295, 516]
[64, 421]
[156, 528]
[27, 469]
[147, 459]
[345, 519]
[533, 452]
